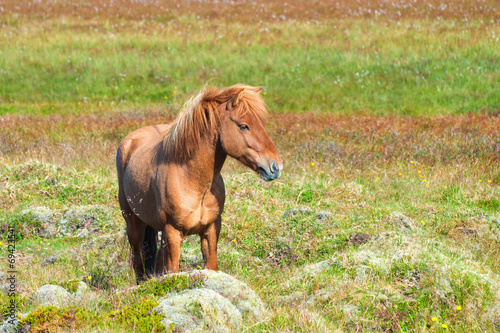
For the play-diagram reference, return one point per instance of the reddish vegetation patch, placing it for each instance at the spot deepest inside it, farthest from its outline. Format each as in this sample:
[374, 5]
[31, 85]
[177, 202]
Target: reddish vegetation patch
[354, 140]
[253, 11]
[363, 140]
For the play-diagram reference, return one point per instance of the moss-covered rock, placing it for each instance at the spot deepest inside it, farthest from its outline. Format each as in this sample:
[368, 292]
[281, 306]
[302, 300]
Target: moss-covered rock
[237, 292]
[198, 310]
[39, 219]
[52, 294]
[172, 282]
[82, 220]
[219, 305]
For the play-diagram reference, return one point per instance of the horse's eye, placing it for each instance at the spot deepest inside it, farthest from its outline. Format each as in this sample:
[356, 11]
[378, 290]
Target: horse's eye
[243, 127]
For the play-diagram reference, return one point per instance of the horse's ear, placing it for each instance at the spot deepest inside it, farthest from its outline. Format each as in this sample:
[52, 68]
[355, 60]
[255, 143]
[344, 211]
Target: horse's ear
[235, 100]
[258, 89]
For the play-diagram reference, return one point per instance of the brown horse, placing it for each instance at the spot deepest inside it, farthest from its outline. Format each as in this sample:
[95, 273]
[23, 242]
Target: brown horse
[169, 175]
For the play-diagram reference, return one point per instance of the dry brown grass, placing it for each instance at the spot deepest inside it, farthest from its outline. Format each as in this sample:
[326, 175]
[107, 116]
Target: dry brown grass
[355, 141]
[252, 11]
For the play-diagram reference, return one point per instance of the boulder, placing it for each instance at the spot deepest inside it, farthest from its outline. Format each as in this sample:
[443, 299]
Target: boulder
[236, 291]
[199, 310]
[219, 306]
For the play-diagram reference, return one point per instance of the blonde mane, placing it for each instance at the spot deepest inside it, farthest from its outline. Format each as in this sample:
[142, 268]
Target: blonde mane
[199, 118]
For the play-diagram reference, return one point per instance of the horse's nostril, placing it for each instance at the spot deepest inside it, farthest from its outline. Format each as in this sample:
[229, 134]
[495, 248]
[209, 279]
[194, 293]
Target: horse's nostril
[274, 167]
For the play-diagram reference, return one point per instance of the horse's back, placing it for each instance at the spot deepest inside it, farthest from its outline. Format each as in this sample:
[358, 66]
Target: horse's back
[138, 142]
[135, 158]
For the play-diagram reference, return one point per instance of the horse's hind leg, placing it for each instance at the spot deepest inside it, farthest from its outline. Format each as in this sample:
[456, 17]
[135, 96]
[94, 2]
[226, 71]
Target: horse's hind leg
[149, 248]
[136, 230]
[142, 239]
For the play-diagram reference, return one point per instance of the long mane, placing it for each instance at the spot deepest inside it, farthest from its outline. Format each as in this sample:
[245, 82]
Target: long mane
[200, 118]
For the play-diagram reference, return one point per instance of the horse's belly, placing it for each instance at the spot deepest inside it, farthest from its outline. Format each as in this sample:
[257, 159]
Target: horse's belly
[145, 209]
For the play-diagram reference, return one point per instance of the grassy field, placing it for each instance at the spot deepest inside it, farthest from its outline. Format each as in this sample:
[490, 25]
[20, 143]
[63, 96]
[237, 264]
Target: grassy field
[411, 58]
[386, 115]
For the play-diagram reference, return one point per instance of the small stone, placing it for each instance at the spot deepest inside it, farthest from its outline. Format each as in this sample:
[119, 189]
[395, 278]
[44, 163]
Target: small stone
[295, 212]
[323, 215]
[50, 260]
[51, 294]
[401, 221]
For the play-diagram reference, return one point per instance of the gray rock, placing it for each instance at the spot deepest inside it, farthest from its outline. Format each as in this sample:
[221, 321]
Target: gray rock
[294, 212]
[200, 310]
[40, 214]
[9, 326]
[219, 306]
[313, 270]
[50, 260]
[401, 221]
[236, 291]
[44, 217]
[81, 221]
[51, 294]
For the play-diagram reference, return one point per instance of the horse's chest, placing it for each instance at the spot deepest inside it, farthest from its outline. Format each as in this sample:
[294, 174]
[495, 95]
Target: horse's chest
[194, 215]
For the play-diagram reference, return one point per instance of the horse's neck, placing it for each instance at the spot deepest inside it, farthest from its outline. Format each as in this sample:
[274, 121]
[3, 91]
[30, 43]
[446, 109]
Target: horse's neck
[206, 163]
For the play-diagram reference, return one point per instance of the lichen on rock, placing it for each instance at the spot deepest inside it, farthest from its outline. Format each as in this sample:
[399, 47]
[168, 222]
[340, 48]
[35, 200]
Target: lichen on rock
[197, 310]
[220, 305]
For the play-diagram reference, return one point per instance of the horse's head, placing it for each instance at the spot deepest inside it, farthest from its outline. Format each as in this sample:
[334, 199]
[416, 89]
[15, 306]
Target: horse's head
[243, 135]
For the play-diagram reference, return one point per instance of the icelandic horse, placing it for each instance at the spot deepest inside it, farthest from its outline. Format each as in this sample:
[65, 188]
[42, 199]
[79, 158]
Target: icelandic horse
[169, 175]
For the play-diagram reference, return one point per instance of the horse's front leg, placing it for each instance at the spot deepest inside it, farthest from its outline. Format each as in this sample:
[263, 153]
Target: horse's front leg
[209, 238]
[170, 250]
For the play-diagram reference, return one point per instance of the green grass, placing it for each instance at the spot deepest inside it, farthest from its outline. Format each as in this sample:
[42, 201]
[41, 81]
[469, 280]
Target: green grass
[418, 67]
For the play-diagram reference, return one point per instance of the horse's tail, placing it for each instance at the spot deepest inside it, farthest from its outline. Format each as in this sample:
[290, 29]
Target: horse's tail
[149, 246]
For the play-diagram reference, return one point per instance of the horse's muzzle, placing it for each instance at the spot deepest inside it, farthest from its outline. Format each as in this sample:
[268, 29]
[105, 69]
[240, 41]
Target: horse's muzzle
[271, 172]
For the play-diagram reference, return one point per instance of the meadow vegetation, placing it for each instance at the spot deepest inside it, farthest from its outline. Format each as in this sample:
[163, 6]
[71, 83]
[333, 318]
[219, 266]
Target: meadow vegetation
[386, 117]
[405, 57]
